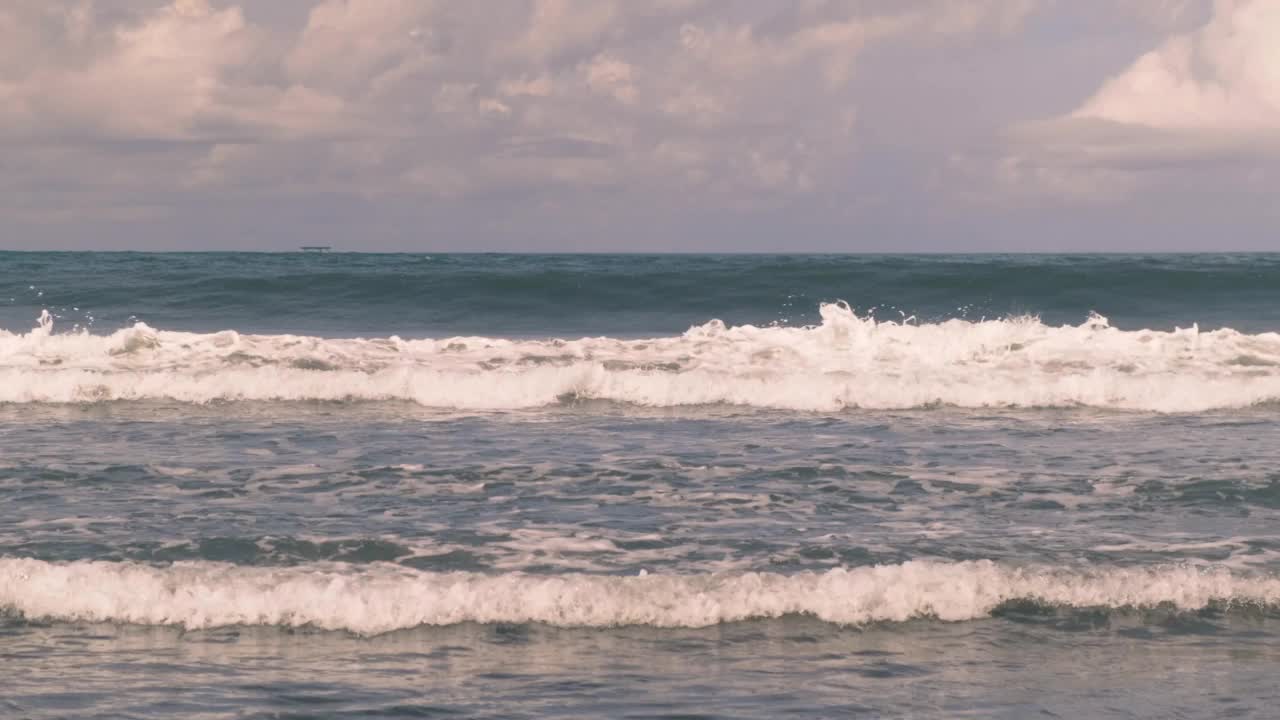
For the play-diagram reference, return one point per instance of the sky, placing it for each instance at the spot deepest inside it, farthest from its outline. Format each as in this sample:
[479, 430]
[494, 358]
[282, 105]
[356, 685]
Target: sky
[640, 125]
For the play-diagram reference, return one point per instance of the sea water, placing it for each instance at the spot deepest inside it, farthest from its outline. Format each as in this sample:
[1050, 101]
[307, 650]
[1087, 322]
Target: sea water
[357, 485]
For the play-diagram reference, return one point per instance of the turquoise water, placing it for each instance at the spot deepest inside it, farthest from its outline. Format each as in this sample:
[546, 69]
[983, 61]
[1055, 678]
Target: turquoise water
[573, 295]
[242, 485]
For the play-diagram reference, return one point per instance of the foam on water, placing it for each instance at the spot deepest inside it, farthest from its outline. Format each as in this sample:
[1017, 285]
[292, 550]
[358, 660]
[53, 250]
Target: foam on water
[382, 598]
[846, 361]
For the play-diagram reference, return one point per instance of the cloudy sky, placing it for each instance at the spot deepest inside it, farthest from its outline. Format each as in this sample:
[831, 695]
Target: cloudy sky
[640, 125]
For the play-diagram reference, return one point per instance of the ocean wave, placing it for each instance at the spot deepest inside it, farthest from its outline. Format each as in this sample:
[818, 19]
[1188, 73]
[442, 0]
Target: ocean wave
[383, 598]
[845, 361]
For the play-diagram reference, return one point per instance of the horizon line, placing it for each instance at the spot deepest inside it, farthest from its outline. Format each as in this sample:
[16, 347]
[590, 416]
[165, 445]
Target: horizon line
[642, 253]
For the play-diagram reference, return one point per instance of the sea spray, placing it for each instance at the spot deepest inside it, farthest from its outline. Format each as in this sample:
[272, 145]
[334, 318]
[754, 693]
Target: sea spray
[846, 361]
[381, 598]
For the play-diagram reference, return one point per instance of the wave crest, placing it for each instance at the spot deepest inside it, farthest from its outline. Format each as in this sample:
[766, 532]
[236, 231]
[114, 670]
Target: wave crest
[383, 598]
[846, 361]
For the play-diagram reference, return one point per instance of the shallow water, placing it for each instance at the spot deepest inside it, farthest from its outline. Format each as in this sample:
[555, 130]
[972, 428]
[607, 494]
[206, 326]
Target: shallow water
[819, 515]
[1017, 666]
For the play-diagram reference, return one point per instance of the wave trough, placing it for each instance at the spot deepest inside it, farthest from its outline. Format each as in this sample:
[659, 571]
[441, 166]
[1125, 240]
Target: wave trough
[383, 598]
[845, 361]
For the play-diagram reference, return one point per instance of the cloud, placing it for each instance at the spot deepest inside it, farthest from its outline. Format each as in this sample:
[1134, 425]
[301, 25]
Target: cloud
[417, 94]
[1200, 109]
[1224, 76]
[600, 114]
[181, 71]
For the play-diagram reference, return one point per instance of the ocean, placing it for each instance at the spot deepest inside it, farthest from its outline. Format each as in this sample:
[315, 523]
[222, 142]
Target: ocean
[339, 485]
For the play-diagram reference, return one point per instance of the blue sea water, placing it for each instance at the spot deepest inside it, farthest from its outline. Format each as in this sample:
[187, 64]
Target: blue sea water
[356, 485]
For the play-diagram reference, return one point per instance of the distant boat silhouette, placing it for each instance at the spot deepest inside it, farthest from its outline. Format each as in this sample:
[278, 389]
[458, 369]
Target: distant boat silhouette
[316, 248]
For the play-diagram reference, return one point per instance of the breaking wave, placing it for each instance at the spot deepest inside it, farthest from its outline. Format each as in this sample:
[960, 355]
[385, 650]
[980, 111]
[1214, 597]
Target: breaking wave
[382, 598]
[845, 361]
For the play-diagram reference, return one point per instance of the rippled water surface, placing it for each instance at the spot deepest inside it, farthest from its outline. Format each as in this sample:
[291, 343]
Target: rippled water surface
[488, 486]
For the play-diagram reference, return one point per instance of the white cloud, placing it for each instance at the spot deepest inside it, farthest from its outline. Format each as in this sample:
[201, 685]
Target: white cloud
[607, 75]
[720, 104]
[175, 72]
[1224, 76]
[1202, 108]
[350, 46]
[155, 78]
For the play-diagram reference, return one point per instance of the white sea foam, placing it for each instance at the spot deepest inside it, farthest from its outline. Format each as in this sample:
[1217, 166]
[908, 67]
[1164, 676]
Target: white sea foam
[382, 598]
[846, 361]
